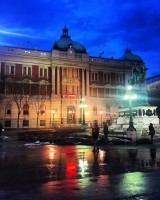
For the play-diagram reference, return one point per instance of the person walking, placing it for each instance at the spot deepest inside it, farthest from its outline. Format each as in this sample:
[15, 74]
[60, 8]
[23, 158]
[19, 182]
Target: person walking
[151, 131]
[105, 131]
[95, 135]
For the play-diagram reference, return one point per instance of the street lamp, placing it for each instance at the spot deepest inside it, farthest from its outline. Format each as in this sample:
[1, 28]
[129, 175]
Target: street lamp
[83, 106]
[101, 113]
[53, 112]
[130, 96]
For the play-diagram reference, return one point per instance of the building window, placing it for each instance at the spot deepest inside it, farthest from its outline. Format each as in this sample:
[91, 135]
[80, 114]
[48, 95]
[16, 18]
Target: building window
[107, 92]
[73, 89]
[107, 77]
[72, 73]
[27, 71]
[119, 78]
[7, 123]
[113, 92]
[43, 89]
[42, 109]
[9, 69]
[94, 92]
[120, 92]
[42, 122]
[94, 76]
[43, 72]
[26, 109]
[94, 110]
[25, 122]
[8, 109]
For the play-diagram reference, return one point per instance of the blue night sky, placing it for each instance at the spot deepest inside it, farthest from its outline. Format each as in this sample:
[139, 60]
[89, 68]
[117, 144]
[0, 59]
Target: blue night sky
[100, 25]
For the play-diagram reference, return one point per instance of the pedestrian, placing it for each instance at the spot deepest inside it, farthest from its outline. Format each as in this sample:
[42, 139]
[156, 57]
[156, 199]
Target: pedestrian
[95, 135]
[106, 132]
[151, 131]
[1, 128]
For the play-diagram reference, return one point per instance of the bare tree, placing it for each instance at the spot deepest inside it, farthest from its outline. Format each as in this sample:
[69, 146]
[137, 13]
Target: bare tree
[38, 101]
[20, 91]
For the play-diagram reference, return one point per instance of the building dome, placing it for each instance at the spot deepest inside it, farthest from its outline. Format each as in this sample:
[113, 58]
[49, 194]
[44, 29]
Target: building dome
[128, 55]
[65, 42]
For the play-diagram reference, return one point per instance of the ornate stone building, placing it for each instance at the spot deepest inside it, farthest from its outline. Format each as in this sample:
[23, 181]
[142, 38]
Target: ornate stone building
[153, 88]
[64, 86]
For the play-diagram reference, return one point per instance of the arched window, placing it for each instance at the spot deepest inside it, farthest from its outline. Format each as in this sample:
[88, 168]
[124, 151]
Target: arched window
[94, 110]
[26, 109]
[8, 109]
[42, 109]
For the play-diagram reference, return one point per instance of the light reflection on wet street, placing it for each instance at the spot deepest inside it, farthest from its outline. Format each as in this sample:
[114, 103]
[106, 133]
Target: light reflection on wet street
[38, 172]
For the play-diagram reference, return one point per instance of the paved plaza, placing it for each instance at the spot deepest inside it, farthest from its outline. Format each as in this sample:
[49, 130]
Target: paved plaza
[33, 171]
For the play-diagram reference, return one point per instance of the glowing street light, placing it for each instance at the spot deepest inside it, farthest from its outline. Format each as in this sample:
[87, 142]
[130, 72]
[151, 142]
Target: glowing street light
[53, 112]
[83, 106]
[130, 96]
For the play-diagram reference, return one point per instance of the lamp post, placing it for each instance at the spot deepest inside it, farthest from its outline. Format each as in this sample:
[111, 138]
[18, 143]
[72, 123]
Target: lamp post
[53, 112]
[130, 96]
[101, 113]
[83, 106]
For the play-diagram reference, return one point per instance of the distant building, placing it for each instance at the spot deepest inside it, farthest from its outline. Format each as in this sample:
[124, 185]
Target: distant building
[153, 88]
[64, 86]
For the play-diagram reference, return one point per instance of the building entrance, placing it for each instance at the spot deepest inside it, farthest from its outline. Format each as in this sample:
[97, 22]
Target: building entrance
[71, 115]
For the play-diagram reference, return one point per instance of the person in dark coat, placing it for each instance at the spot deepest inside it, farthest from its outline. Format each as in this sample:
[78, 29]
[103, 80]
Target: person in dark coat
[151, 131]
[105, 131]
[95, 135]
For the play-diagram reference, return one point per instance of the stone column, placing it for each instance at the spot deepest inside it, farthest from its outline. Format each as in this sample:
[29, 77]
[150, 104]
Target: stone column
[53, 80]
[58, 81]
[87, 81]
[83, 84]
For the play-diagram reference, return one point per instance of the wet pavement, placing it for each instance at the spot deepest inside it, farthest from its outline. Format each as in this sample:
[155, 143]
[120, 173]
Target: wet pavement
[48, 171]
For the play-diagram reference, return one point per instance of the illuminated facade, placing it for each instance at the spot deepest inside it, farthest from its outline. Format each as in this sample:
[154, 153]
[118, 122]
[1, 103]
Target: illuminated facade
[40, 89]
[153, 88]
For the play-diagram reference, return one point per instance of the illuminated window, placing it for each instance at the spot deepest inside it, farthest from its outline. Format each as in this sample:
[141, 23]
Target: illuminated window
[94, 76]
[42, 109]
[8, 109]
[26, 109]
[94, 110]
[43, 72]
[94, 92]
[27, 71]
[107, 77]
[42, 122]
[73, 89]
[119, 78]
